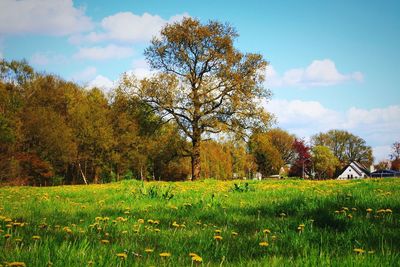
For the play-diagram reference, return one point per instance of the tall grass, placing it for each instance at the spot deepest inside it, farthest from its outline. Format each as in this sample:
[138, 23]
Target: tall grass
[310, 223]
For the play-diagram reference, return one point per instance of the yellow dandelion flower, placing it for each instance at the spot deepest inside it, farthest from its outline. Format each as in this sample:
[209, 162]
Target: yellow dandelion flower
[124, 232]
[141, 221]
[165, 254]
[197, 259]
[369, 210]
[7, 236]
[149, 250]
[18, 240]
[35, 237]
[175, 224]
[371, 251]
[234, 234]
[388, 211]
[122, 256]
[359, 250]
[157, 230]
[218, 231]
[218, 237]
[267, 231]
[105, 241]
[349, 216]
[263, 244]
[16, 264]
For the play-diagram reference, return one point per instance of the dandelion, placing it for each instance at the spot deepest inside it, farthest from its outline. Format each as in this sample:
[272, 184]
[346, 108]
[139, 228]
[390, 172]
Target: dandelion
[36, 237]
[349, 216]
[7, 236]
[141, 221]
[263, 244]
[369, 210]
[165, 254]
[359, 250]
[267, 231]
[388, 211]
[234, 234]
[124, 232]
[148, 250]
[197, 259]
[274, 237]
[218, 231]
[191, 254]
[157, 230]
[218, 237]
[175, 224]
[122, 256]
[18, 240]
[105, 241]
[16, 264]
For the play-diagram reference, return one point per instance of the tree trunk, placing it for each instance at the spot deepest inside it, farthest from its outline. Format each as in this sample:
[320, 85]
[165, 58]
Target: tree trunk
[196, 166]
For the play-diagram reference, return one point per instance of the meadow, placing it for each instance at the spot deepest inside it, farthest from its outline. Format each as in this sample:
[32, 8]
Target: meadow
[203, 223]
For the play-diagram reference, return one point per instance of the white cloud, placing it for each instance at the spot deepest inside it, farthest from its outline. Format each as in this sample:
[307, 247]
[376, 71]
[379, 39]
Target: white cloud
[53, 17]
[127, 27]
[85, 75]
[379, 127]
[40, 58]
[318, 73]
[102, 83]
[102, 53]
[140, 69]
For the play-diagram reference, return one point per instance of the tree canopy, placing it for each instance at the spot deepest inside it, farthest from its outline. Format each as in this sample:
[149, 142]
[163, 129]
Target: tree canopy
[203, 82]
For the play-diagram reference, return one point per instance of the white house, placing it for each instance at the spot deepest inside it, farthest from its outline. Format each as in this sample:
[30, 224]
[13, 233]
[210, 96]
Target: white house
[353, 171]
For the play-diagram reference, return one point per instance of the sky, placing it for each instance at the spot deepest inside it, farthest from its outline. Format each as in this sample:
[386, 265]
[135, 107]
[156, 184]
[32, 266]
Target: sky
[332, 64]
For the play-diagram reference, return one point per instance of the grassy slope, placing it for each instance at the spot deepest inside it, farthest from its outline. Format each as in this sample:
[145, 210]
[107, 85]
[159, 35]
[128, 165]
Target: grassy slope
[203, 207]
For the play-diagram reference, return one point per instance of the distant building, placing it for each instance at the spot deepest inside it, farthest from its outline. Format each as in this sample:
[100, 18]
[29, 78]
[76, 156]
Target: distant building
[385, 173]
[354, 170]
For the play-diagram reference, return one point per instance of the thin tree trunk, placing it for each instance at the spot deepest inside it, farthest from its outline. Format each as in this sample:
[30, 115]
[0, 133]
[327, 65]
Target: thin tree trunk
[83, 175]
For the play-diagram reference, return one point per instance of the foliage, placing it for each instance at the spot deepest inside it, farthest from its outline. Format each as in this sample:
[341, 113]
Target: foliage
[266, 155]
[395, 154]
[302, 163]
[324, 162]
[239, 187]
[346, 146]
[203, 83]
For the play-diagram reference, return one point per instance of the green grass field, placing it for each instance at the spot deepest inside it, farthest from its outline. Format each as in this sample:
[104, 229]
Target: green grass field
[268, 223]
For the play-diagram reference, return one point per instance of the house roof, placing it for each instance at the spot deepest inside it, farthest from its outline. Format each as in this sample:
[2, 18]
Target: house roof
[359, 168]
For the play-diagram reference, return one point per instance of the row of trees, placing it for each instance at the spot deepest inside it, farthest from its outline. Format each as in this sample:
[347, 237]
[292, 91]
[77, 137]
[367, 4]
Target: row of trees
[162, 127]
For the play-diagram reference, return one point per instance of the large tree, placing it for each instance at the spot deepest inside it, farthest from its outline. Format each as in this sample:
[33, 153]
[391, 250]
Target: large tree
[203, 82]
[346, 146]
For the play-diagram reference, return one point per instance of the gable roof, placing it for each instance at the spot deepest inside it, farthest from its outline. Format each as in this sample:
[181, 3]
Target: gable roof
[358, 167]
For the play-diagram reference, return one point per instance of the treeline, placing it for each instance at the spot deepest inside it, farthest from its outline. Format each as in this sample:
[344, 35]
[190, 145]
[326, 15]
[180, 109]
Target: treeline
[56, 132]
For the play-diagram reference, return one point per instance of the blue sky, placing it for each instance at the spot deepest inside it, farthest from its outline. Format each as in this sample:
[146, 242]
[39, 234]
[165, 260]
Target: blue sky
[333, 64]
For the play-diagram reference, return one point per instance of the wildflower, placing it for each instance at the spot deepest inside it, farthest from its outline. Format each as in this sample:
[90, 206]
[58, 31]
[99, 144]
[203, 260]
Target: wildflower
[191, 254]
[388, 211]
[359, 250]
[8, 225]
[218, 237]
[18, 240]
[35, 237]
[218, 231]
[105, 241]
[124, 232]
[165, 254]
[122, 256]
[141, 221]
[197, 259]
[349, 216]
[148, 250]
[282, 214]
[174, 224]
[263, 244]
[7, 236]
[16, 264]
[234, 234]
[267, 231]
[150, 221]
[369, 210]
[156, 230]
[273, 237]
[354, 209]
[371, 251]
